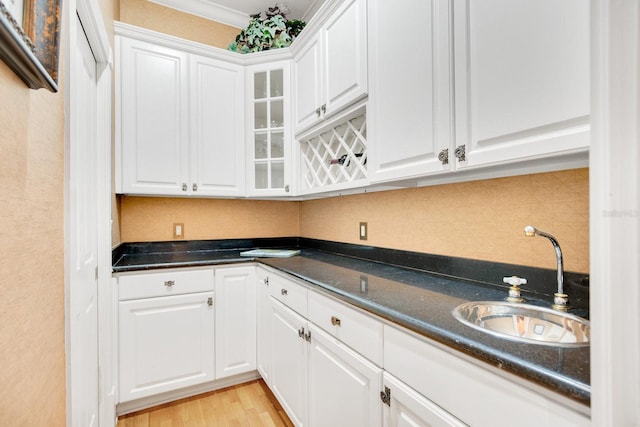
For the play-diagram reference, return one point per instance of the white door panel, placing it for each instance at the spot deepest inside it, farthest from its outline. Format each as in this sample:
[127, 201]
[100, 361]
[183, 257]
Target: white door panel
[83, 238]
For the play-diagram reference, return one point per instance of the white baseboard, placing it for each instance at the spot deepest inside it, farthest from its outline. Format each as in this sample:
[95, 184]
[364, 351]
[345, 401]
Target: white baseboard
[170, 396]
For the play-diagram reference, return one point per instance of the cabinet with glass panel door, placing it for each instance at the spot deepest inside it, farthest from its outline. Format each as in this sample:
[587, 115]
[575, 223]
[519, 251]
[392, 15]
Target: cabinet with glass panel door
[269, 118]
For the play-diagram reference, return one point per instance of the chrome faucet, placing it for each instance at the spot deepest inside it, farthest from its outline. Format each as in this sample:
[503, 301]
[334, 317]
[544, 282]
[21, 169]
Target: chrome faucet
[560, 299]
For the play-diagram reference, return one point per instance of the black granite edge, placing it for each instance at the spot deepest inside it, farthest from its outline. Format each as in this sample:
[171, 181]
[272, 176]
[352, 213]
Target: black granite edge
[540, 281]
[131, 248]
[165, 265]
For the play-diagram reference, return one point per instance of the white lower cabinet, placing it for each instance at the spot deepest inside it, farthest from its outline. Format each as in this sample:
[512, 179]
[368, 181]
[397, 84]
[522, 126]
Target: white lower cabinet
[235, 320]
[263, 322]
[165, 343]
[327, 362]
[407, 407]
[289, 362]
[318, 379]
[476, 395]
[344, 387]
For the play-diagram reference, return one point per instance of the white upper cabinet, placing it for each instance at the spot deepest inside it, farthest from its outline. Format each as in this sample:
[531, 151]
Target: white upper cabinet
[153, 100]
[409, 111]
[217, 127]
[330, 70]
[268, 109]
[521, 79]
[180, 122]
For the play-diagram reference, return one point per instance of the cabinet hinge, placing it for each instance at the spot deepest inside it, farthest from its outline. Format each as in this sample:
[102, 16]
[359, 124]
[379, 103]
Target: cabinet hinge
[385, 396]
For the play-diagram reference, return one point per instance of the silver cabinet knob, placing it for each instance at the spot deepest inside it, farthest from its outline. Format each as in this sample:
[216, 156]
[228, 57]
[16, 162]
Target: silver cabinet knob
[443, 156]
[169, 283]
[335, 321]
[460, 153]
[284, 291]
[194, 187]
[184, 186]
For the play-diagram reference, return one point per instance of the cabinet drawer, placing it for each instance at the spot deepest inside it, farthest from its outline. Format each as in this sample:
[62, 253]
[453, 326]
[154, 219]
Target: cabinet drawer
[476, 395]
[355, 329]
[146, 285]
[289, 293]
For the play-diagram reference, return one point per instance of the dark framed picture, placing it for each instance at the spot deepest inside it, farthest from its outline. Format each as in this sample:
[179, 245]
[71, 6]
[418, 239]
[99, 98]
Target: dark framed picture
[30, 40]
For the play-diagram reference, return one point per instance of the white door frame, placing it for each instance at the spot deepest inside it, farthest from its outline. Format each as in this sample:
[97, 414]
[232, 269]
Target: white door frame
[614, 176]
[96, 33]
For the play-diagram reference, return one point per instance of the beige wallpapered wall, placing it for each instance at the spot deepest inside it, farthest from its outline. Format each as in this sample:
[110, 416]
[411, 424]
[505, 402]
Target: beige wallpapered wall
[32, 342]
[145, 14]
[478, 219]
[32, 372]
[151, 219]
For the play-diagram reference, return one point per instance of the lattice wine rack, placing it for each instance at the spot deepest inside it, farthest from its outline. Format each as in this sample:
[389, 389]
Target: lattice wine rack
[336, 155]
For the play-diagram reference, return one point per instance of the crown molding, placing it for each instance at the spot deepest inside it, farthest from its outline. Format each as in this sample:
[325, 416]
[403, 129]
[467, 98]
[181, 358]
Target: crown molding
[208, 10]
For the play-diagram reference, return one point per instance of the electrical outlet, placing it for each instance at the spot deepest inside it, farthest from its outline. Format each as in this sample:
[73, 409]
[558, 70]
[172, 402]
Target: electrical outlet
[178, 230]
[363, 231]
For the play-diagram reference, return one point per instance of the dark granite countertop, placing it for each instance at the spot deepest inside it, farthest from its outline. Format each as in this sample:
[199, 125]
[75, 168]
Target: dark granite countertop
[416, 299]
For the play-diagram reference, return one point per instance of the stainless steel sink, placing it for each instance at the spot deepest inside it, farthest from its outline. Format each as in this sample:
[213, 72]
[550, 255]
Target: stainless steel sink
[525, 323]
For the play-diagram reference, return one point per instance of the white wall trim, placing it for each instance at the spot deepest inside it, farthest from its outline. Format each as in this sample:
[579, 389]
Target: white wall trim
[97, 35]
[208, 10]
[615, 212]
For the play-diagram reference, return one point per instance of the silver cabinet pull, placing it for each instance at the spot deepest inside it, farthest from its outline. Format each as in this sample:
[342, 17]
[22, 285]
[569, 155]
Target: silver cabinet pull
[307, 336]
[210, 301]
[324, 108]
[443, 156]
[266, 281]
[318, 112]
[169, 283]
[335, 321]
[286, 188]
[194, 187]
[284, 291]
[184, 186]
[460, 153]
[301, 332]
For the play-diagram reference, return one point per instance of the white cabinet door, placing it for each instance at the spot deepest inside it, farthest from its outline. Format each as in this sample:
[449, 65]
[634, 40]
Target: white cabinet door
[307, 81]
[153, 118]
[344, 44]
[330, 72]
[522, 79]
[235, 320]
[165, 343]
[408, 408]
[217, 127]
[268, 126]
[409, 112]
[289, 361]
[344, 387]
[180, 123]
[263, 322]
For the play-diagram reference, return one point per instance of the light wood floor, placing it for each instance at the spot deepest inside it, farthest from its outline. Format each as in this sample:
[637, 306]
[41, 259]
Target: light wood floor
[250, 404]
